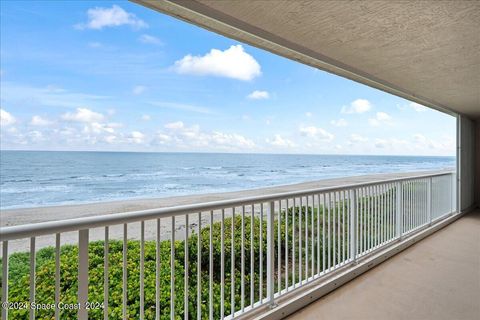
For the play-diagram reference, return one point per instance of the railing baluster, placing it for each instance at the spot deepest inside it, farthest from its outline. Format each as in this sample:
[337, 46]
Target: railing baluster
[242, 289]
[373, 218]
[339, 211]
[362, 222]
[186, 269]
[429, 201]
[387, 213]
[334, 220]
[232, 265]
[323, 233]
[142, 269]
[172, 270]
[32, 276]
[312, 205]
[339, 229]
[306, 239]
[210, 269]
[385, 217]
[271, 253]
[157, 273]
[398, 210]
[4, 278]
[199, 267]
[329, 227]
[279, 247]
[364, 219]
[105, 274]
[373, 228]
[318, 234]
[261, 255]
[125, 272]
[222, 265]
[286, 244]
[57, 275]
[300, 246]
[414, 202]
[252, 258]
[294, 283]
[343, 226]
[83, 273]
[380, 213]
[378, 216]
[412, 207]
[353, 224]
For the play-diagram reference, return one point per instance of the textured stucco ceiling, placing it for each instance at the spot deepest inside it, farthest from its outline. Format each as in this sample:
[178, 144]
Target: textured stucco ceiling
[428, 51]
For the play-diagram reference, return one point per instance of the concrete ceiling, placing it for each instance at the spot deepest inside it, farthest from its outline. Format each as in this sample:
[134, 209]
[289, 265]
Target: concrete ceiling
[425, 51]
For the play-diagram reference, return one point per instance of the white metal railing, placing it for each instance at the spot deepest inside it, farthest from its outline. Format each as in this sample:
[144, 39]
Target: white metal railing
[230, 257]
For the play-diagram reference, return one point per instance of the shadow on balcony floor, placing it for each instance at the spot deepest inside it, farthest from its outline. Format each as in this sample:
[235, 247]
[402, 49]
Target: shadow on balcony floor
[437, 278]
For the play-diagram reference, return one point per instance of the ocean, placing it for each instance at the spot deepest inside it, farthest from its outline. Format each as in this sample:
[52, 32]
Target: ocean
[44, 178]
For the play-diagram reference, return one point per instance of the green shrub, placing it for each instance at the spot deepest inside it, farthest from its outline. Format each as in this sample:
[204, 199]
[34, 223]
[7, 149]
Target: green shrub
[19, 279]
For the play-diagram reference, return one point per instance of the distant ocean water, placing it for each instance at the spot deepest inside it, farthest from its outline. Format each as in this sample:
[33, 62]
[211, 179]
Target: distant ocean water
[38, 178]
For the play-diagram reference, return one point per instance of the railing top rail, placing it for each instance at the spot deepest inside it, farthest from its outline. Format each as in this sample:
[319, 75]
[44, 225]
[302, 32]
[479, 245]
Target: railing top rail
[52, 227]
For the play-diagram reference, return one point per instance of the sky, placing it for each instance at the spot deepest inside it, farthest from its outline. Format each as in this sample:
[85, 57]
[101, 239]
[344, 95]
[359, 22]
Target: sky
[116, 76]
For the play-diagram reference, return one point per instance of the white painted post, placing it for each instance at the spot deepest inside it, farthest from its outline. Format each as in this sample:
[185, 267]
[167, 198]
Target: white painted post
[270, 254]
[4, 280]
[83, 274]
[353, 225]
[429, 200]
[399, 210]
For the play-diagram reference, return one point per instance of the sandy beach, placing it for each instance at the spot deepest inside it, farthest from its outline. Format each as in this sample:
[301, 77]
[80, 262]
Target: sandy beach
[15, 217]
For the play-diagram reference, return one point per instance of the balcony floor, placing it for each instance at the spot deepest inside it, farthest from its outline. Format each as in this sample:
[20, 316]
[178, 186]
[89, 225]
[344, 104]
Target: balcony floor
[437, 278]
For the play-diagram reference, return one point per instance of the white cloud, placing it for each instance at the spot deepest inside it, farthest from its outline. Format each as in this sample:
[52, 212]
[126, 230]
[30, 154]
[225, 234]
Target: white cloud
[356, 138]
[138, 90]
[357, 106]
[146, 117]
[183, 107]
[380, 118]
[35, 136]
[381, 143]
[233, 63]
[83, 115]
[148, 39]
[339, 123]
[180, 136]
[308, 114]
[316, 133]
[50, 96]
[417, 107]
[137, 137]
[39, 121]
[94, 44]
[98, 128]
[231, 140]
[6, 118]
[175, 125]
[278, 141]
[257, 95]
[99, 18]
[423, 142]
[110, 139]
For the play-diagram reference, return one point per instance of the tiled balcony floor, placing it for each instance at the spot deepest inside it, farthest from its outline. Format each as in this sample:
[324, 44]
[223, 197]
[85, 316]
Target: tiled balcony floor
[437, 278]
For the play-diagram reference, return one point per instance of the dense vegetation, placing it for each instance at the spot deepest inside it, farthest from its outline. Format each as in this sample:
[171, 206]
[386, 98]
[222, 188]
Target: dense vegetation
[45, 268]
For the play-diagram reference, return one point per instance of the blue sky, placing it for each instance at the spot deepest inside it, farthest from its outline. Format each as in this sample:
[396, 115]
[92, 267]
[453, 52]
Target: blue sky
[111, 75]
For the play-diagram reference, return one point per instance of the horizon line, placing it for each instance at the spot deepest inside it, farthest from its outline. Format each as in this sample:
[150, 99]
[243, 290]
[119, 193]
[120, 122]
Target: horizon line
[235, 153]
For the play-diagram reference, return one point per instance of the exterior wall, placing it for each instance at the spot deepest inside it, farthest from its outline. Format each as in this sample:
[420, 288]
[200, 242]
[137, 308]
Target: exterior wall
[467, 163]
